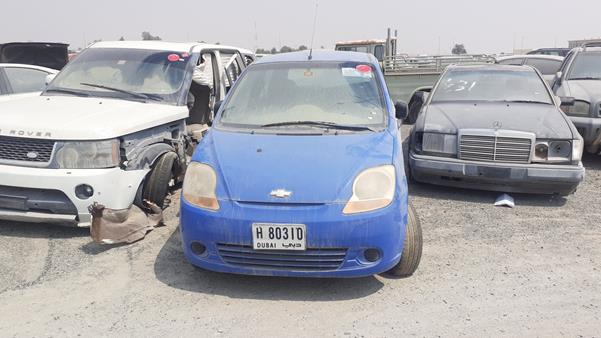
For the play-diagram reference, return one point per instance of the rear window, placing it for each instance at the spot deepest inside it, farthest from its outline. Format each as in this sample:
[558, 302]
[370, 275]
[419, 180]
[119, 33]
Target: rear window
[343, 93]
[546, 67]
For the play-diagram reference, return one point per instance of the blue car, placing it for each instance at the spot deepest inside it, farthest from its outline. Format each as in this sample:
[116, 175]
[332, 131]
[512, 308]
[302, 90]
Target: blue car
[302, 174]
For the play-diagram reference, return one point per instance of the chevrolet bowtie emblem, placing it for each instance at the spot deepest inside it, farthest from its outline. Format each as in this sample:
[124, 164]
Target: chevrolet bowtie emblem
[281, 193]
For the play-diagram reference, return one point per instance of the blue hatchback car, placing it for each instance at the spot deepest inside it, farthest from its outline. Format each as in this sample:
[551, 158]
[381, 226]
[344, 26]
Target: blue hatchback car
[302, 174]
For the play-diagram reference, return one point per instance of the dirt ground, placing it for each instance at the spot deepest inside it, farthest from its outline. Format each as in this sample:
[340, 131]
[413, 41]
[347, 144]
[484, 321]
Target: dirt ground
[530, 271]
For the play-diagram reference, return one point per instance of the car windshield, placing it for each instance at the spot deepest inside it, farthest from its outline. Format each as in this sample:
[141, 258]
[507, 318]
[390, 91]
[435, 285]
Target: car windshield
[295, 94]
[124, 73]
[500, 85]
[586, 66]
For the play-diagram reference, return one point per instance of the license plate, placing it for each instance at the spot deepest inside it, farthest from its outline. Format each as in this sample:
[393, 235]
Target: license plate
[279, 237]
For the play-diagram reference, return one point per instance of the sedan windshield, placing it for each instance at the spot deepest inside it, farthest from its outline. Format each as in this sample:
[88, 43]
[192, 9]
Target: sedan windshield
[586, 66]
[499, 85]
[124, 73]
[301, 95]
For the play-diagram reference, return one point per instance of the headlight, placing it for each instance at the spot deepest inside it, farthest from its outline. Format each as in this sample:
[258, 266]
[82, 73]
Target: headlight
[580, 108]
[439, 144]
[200, 183]
[88, 155]
[552, 151]
[373, 189]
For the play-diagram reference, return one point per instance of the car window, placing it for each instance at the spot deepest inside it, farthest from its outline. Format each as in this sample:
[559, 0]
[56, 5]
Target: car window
[26, 80]
[379, 52]
[512, 62]
[491, 85]
[546, 67]
[586, 66]
[153, 72]
[343, 93]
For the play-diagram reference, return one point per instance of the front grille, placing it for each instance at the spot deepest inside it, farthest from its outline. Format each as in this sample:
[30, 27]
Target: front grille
[309, 260]
[25, 149]
[495, 149]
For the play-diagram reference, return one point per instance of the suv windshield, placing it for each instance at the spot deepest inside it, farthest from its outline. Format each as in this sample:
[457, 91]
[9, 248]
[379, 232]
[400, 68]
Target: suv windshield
[307, 95]
[492, 85]
[124, 73]
[586, 66]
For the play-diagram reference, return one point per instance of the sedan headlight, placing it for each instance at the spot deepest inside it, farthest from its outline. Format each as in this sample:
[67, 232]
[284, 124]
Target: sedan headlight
[373, 189]
[580, 108]
[88, 155]
[553, 152]
[200, 184]
[438, 144]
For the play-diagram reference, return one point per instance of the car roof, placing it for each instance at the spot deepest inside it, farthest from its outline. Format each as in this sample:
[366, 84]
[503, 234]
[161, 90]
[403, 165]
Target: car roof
[532, 56]
[181, 47]
[319, 56]
[20, 65]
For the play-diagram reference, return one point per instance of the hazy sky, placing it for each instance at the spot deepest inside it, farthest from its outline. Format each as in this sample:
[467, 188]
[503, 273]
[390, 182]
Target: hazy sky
[483, 26]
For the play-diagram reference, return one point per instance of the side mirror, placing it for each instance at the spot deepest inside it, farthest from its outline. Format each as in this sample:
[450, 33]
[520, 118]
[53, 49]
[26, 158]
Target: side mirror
[49, 78]
[401, 110]
[567, 101]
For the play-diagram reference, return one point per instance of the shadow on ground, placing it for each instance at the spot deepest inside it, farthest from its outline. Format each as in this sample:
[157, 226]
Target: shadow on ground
[482, 197]
[172, 269]
[33, 230]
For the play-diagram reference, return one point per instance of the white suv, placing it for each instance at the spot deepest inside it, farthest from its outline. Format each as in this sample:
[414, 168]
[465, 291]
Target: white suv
[113, 127]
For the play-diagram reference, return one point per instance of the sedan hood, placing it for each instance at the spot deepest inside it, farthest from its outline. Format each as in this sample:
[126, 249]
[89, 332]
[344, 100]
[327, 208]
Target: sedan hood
[546, 121]
[315, 169]
[82, 118]
[588, 90]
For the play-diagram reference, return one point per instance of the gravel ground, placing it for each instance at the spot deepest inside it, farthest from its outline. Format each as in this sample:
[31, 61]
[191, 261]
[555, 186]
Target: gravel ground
[530, 271]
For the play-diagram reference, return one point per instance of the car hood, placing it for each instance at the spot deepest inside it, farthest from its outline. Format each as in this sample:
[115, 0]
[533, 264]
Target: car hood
[81, 118]
[546, 121]
[315, 169]
[588, 90]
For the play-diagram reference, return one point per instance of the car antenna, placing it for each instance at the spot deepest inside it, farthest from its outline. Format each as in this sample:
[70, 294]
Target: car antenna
[314, 26]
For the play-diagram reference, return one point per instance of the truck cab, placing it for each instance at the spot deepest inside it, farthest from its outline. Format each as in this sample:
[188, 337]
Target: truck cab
[114, 127]
[376, 48]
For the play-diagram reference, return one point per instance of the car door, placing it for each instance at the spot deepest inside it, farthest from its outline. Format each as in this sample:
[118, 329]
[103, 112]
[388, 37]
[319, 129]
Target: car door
[25, 80]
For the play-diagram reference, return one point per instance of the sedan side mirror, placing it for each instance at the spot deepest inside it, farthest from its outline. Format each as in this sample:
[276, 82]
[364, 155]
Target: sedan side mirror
[567, 101]
[401, 110]
[49, 78]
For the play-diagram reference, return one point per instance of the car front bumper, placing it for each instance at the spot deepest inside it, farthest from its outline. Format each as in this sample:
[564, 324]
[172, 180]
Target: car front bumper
[503, 177]
[48, 195]
[590, 130]
[328, 232]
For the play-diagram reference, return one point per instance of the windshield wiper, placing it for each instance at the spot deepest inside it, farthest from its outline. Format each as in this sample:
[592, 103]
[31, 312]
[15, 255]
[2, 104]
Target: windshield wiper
[130, 93]
[327, 125]
[66, 91]
[586, 78]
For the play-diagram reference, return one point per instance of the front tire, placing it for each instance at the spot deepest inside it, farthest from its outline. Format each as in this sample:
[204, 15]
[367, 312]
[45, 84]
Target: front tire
[412, 250]
[156, 185]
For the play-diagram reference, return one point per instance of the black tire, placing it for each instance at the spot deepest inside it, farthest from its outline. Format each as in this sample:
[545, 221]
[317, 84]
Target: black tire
[412, 251]
[406, 151]
[156, 185]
